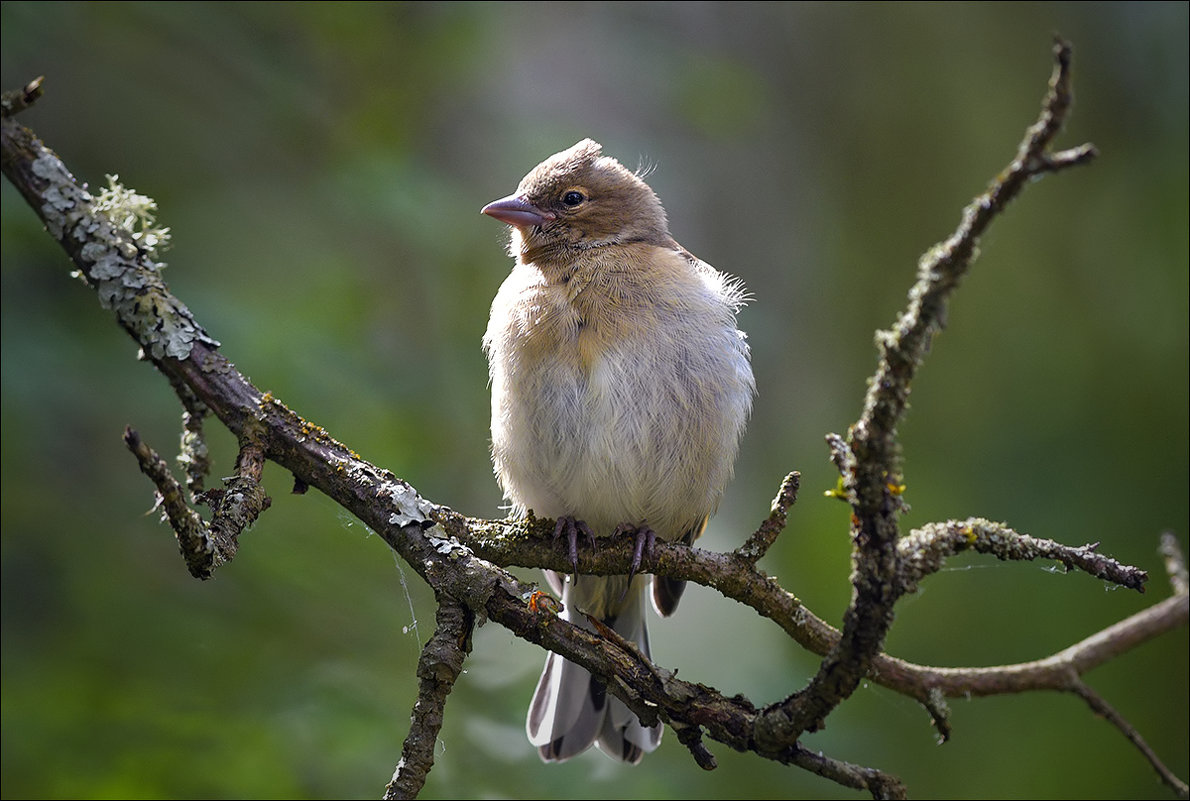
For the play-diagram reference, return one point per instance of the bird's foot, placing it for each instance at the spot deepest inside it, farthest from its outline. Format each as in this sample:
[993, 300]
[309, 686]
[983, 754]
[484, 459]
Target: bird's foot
[572, 528]
[646, 539]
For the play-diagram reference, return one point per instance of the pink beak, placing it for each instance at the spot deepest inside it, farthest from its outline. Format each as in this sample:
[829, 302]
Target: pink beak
[517, 211]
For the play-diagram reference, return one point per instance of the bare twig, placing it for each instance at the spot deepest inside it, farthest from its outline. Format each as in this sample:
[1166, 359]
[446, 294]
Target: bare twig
[193, 456]
[438, 668]
[508, 543]
[1054, 672]
[1175, 564]
[763, 538]
[1105, 710]
[691, 737]
[194, 541]
[875, 782]
[20, 99]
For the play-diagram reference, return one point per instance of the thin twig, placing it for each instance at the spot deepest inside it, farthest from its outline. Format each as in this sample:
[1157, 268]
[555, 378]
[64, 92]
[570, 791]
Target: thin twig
[763, 538]
[879, 784]
[1175, 563]
[925, 549]
[193, 457]
[194, 540]
[20, 99]
[1105, 710]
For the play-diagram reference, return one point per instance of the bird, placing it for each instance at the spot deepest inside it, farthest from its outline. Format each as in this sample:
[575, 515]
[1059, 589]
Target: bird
[621, 387]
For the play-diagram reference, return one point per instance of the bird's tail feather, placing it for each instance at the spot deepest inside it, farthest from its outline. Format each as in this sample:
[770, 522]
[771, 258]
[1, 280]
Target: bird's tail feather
[571, 709]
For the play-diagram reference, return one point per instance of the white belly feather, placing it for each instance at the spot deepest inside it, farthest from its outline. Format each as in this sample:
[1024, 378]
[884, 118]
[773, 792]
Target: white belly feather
[642, 428]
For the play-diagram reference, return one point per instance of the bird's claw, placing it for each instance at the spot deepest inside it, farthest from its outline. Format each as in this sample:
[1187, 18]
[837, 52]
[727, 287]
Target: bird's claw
[646, 540]
[571, 527]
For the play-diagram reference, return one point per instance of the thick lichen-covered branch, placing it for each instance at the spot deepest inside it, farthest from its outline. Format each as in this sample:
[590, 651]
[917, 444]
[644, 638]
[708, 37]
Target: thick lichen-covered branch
[122, 271]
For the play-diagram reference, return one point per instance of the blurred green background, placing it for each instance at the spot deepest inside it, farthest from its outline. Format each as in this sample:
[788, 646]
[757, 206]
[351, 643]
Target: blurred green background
[322, 168]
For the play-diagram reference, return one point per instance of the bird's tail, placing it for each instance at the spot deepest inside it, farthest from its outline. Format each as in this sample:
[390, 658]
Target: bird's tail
[571, 709]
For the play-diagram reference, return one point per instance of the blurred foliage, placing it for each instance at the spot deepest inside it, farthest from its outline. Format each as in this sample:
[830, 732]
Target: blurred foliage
[322, 167]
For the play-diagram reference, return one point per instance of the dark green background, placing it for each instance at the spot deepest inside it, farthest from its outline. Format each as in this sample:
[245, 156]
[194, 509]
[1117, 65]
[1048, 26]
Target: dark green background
[322, 168]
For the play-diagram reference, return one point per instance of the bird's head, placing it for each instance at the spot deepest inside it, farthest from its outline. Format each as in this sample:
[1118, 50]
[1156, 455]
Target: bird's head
[576, 200]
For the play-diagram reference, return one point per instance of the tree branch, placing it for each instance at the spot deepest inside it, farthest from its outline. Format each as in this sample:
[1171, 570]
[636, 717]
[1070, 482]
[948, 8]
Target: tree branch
[438, 668]
[1106, 711]
[868, 457]
[462, 559]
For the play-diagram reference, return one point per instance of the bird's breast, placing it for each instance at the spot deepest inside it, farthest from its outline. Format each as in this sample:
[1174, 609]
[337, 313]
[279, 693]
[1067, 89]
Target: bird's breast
[614, 412]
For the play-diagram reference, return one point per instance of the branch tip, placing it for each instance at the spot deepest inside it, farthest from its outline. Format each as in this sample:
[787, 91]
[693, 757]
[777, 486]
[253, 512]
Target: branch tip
[1103, 709]
[18, 100]
[766, 534]
[194, 540]
[691, 737]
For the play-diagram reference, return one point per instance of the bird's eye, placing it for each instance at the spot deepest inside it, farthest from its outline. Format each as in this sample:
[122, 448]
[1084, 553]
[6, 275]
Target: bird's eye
[573, 198]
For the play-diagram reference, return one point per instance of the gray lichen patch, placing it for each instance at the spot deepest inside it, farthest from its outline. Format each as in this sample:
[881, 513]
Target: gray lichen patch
[120, 238]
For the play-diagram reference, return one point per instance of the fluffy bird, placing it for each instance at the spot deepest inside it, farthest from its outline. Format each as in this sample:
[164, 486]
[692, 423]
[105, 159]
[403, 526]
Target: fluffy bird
[620, 390]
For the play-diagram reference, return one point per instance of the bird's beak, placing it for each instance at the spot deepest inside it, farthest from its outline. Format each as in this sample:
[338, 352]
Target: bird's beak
[517, 211]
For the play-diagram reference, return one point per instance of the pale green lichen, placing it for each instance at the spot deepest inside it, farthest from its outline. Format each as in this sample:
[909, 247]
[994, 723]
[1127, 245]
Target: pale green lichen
[135, 213]
[120, 237]
[412, 508]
